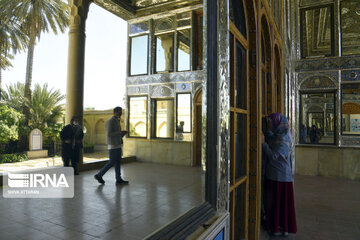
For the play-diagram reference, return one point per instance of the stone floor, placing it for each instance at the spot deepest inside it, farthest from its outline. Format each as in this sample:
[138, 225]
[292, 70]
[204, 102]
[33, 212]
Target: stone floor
[49, 162]
[156, 195]
[327, 208]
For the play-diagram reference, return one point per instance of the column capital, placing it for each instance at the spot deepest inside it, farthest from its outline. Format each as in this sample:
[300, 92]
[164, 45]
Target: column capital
[78, 11]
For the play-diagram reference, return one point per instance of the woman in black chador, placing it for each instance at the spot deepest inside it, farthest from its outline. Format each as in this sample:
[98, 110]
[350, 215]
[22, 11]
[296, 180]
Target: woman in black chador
[71, 137]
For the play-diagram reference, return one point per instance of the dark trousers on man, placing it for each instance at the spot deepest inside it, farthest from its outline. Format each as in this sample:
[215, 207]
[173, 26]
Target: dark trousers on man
[114, 159]
[71, 155]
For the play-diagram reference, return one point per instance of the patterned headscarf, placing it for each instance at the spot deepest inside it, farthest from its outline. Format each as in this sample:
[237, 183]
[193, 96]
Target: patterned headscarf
[280, 136]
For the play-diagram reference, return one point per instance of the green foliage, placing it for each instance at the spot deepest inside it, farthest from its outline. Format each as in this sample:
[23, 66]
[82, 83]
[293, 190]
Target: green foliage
[14, 96]
[10, 121]
[88, 145]
[10, 158]
[12, 38]
[46, 110]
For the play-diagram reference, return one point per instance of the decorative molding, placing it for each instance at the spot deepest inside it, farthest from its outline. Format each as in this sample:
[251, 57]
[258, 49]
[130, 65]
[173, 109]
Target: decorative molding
[321, 64]
[166, 78]
[162, 91]
[138, 90]
[350, 75]
[318, 81]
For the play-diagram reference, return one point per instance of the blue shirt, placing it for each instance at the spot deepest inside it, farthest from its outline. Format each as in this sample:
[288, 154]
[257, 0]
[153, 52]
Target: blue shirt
[276, 167]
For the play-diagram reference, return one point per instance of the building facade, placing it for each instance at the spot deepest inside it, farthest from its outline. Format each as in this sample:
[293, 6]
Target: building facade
[203, 74]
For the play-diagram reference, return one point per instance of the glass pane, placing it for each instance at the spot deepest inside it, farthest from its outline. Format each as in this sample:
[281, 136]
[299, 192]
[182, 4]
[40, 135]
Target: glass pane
[240, 77]
[239, 218]
[165, 52]
[317, 123]
[237, 15]
[183, 113]
[240, 146]
[137, 116]
[351, 108]
[139, 27]
[164, 118]
[183, 50]
[139, 55]
[317, 33]
[350, 22]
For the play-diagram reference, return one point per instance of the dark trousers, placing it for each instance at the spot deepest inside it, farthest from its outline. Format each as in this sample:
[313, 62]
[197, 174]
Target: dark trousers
[71, 155]
[114, 159]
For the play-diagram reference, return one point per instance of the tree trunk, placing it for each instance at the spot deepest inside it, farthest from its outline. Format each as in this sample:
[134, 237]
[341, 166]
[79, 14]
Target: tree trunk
[28, 79]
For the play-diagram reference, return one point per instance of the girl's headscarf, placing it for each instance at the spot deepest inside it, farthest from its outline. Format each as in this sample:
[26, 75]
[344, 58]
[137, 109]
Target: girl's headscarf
[280, 136]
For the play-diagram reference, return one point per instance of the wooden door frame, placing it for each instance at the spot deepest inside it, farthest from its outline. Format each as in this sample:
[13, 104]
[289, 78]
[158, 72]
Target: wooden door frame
[196, 103]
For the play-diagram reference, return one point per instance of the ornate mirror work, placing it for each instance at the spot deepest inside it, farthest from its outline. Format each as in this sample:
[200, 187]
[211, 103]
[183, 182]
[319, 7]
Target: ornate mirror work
[350, 95]
[350, 25]
[317, 32]
[317, 82]
[317, 118]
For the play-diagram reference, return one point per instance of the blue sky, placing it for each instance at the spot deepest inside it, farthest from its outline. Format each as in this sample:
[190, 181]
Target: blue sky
[105, 61]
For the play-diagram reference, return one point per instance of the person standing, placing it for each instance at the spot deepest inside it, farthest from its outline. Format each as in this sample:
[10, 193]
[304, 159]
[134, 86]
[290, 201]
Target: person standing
[71, 143]
[114, 140]
[279, 192]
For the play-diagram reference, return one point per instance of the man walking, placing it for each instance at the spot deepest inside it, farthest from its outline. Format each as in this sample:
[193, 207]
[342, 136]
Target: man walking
[114, 140]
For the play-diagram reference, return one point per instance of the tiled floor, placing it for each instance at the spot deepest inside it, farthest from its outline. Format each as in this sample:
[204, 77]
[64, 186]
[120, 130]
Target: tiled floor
[327, 208]
[156, 195]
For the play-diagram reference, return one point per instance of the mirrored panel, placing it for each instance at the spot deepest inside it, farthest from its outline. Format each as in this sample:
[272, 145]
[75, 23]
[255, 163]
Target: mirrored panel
[137, 28]
[183, 20]
[317, 118]
[350, 109]
[350, 25]
[183, 49]
[164, 118]
[137, 116]
[317, 32]
[139, 55]
[164, 24]
[183, 113]
[165, 52]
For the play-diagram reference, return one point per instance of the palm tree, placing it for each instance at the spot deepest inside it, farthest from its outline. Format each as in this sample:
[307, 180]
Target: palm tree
[14, 96]
[12, 40]
[45, 106]
[38, 16]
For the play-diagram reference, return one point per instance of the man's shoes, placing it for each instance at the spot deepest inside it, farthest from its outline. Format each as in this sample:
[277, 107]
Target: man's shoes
[122, 181]
[99, 179]
[76, 173]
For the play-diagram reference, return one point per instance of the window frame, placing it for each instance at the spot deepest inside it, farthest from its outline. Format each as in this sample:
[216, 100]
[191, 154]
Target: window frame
[332, 91]
[341, 110]
[176, 56]
[130, 37]
[153, 122]
[128, 118]
[155, 71]
[191, 111]
[302, 11]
